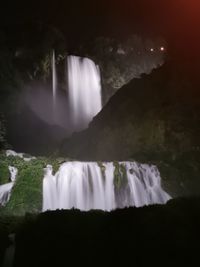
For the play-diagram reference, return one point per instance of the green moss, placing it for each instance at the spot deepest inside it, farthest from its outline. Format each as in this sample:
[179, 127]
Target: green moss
[120, 176]
[52, 161]
[4, 173]
[27, 192]
[103, 169]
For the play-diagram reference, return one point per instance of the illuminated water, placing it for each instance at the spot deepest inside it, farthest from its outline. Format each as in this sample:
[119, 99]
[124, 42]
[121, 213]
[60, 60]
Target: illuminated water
[5, 189]
[54, 84]
[84, 91]
[87, 185]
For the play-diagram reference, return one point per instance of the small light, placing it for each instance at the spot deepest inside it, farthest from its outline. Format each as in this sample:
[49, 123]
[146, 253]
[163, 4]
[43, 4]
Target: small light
[162, 48]
[152, 50]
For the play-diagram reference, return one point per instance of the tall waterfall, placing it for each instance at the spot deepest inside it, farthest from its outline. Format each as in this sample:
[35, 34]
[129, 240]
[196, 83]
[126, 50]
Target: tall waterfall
[84, 91]
[105, 186]
[54, 83]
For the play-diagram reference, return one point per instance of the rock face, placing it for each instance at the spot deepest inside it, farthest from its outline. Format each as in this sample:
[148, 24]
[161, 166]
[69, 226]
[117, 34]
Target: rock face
[27, 74]
[122, 60]
[155, 118]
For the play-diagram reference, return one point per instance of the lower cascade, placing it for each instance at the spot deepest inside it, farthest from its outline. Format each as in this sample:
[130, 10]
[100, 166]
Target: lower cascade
[105, 186]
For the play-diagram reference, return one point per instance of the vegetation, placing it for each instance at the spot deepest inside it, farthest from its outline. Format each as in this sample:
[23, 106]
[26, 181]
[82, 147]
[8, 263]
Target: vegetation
[154, 119]
[103, 168]
[27, 192]
[120, 176]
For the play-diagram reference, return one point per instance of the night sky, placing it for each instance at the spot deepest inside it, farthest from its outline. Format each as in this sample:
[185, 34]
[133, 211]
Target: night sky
[177, 20]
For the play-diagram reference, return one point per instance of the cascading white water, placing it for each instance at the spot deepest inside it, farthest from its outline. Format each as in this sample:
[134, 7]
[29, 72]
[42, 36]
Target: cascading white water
[5, 189]
[87, 185]
[84, 91]
[54, 83]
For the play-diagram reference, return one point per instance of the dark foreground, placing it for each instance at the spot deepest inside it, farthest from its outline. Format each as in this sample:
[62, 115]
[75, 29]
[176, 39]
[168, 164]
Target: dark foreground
[157, 236]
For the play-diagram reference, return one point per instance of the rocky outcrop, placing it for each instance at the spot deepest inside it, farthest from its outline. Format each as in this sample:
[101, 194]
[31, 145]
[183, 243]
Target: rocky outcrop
[155, 118]
[122, 60]
[28, 68]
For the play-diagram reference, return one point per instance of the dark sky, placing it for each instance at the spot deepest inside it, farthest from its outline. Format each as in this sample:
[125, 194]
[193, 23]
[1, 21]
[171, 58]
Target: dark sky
[176, 20]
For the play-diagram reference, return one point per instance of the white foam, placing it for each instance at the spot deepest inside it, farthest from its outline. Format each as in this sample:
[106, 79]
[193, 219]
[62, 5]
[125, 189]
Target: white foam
[20, 155]
[84, 90]
[5, 189]
[84, 186]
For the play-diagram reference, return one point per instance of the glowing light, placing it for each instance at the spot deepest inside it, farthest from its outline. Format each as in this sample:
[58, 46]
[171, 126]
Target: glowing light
[152, 49]
[162, 48]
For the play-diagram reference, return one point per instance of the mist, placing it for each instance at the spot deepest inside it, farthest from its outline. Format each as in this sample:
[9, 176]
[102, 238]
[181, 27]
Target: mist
[39, 99]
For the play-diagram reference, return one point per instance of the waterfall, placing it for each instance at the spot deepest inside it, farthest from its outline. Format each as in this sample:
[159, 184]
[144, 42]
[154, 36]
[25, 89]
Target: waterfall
[84, 91]
[104, 186]
[5, 189]
[54, 84]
